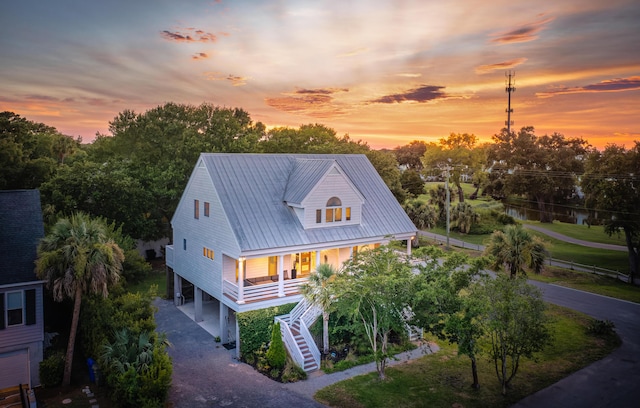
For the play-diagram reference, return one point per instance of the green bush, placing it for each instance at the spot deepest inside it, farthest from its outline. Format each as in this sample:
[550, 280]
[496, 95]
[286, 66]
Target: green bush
[255, 327]
[134, 268]
[601, 327]
[292, 372]
[52, 369]
[276, 355]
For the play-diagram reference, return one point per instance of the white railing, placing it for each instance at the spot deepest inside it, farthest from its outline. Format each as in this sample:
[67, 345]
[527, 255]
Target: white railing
[290, 342]
[168, 255]
[304, 331]
[255, 293]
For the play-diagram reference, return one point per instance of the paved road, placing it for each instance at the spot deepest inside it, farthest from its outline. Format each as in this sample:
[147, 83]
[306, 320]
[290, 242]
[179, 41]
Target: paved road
[611, 382]
[576, 241]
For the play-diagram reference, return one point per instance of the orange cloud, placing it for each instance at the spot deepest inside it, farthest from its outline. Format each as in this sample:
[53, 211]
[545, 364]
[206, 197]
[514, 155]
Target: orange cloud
[191, 35]
[609, 85]
[235, 79]
[318, 103]
[528, 32]
[484, 69]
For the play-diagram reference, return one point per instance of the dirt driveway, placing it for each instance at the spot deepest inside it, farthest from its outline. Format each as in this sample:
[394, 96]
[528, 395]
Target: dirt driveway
[205, 374]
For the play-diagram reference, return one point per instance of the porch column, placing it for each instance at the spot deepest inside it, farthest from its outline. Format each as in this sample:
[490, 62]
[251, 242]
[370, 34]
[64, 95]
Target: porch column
[409, 245]
[224, 322]
[177, 286]
[317, 258]
[280, 276]
[197, 302]
[241, 261]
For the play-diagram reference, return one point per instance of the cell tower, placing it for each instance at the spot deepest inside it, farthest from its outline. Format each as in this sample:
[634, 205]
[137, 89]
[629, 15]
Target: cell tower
[510, 81]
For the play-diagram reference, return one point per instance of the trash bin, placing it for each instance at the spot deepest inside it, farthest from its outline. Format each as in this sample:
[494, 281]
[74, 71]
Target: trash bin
[90, 365]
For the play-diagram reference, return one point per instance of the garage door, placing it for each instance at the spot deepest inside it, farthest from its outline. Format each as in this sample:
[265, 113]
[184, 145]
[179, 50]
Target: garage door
[15, 368]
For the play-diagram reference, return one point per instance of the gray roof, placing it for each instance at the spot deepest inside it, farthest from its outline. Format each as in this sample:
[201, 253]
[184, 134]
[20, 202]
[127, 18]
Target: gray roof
[21, 228]
[253, 189]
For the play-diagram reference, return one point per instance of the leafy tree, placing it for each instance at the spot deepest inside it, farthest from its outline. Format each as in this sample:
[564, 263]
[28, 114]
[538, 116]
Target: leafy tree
[543, 168]
[438, 197]
[464, 216]
[515, 321]
[375, 289]
[387, 166]
[514, 249]
[319, 292]
[410, 155]
[310, 138]
[422, 214]
[77, 258]
[458, 152]
[611, 186]
[440, 303]
[412, 182]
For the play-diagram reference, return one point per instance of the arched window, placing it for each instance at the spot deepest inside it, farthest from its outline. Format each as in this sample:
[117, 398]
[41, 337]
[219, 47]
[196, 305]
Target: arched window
[334, 210]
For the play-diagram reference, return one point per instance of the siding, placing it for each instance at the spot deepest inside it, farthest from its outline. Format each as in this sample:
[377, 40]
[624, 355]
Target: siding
[333, 185]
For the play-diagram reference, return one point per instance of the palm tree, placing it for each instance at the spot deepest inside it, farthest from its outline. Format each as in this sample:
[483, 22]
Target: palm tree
[514, 248]
[75, 258]
[318, 291]
[464, 216]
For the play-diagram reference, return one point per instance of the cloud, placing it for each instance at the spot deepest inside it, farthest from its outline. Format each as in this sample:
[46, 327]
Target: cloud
[354, 52]
[189, 35]
[424, 93]
[199, 55]
[609, 85]
[235, 79]
[528, 32]
[409, 75]
[317, 103]
[484, 69]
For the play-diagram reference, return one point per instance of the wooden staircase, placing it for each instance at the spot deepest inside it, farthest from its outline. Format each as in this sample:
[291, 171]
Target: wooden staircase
[310, 363]
[294, 328]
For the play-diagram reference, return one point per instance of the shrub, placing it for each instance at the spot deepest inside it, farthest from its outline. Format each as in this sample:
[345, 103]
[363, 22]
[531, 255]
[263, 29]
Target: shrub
[601, 327]
[293, 372]
[52, 369]
[276, 355]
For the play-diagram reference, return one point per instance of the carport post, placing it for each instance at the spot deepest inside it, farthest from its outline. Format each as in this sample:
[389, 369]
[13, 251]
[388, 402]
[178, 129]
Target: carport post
[198, 304]
[224, 322]
[177, 287]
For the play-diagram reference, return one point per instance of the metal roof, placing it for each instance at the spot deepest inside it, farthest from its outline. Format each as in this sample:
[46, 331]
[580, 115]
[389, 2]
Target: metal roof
[253, 188]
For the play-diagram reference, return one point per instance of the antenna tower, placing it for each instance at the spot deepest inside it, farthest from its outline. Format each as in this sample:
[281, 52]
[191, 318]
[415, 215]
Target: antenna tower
[510, 81]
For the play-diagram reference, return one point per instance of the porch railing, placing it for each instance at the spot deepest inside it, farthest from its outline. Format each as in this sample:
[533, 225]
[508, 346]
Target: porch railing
[256, 293]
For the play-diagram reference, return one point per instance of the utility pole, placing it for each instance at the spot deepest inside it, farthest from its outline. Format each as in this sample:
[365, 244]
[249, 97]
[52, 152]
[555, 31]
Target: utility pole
[447, 169]
[509, 89]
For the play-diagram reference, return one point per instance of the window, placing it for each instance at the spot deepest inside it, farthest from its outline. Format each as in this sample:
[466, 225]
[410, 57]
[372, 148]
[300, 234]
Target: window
[207, 252]
[348, 213]
[333, 213]
[206, 209]
[196, 209]
[318, 216]
[184, 244]
[15, 308]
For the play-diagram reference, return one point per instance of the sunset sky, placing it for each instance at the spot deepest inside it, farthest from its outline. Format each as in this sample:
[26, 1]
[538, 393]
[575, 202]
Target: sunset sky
[386, 72]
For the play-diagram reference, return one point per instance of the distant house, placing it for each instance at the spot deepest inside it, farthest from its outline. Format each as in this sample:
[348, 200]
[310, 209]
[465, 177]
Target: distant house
[250, 228]
[21, 314]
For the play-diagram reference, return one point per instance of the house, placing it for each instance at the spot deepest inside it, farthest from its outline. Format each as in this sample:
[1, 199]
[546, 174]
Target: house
[250, 228]
[21, 311]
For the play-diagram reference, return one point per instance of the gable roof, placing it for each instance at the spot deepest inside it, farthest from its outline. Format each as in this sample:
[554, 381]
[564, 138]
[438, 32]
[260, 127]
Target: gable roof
[253, 188]
[21, 228]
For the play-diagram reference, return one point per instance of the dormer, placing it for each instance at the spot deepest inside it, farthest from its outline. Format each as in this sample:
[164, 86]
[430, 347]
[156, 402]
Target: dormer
[321, 194]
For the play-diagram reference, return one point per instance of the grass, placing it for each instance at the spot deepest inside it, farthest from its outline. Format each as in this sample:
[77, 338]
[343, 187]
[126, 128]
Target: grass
[595, 233]
[589, 282]
[157, 277]
[443, 379]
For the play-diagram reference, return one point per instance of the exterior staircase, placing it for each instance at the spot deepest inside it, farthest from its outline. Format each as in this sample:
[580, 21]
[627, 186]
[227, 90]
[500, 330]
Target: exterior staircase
[294, 328]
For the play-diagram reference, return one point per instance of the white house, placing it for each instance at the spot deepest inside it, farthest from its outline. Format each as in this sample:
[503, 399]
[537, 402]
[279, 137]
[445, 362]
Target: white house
[250, 228]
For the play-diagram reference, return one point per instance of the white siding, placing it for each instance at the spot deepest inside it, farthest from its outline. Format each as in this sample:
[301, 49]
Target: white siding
[333, 185]
[212, 232]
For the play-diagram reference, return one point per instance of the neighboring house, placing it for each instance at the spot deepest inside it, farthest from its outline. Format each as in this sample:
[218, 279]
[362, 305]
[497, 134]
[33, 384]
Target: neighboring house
[250, 228]
[21, 314]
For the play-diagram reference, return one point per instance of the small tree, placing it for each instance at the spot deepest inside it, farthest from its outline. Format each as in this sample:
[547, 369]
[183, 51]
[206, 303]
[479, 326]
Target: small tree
[319, 292]
[515, 321]
[514, 248]
[276, 355]
[464, 216]
[375, 288]
[422, 214]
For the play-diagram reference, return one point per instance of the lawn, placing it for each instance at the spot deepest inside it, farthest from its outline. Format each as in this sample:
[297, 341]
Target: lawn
[443, 379]
[158, 277]
[595, 233]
